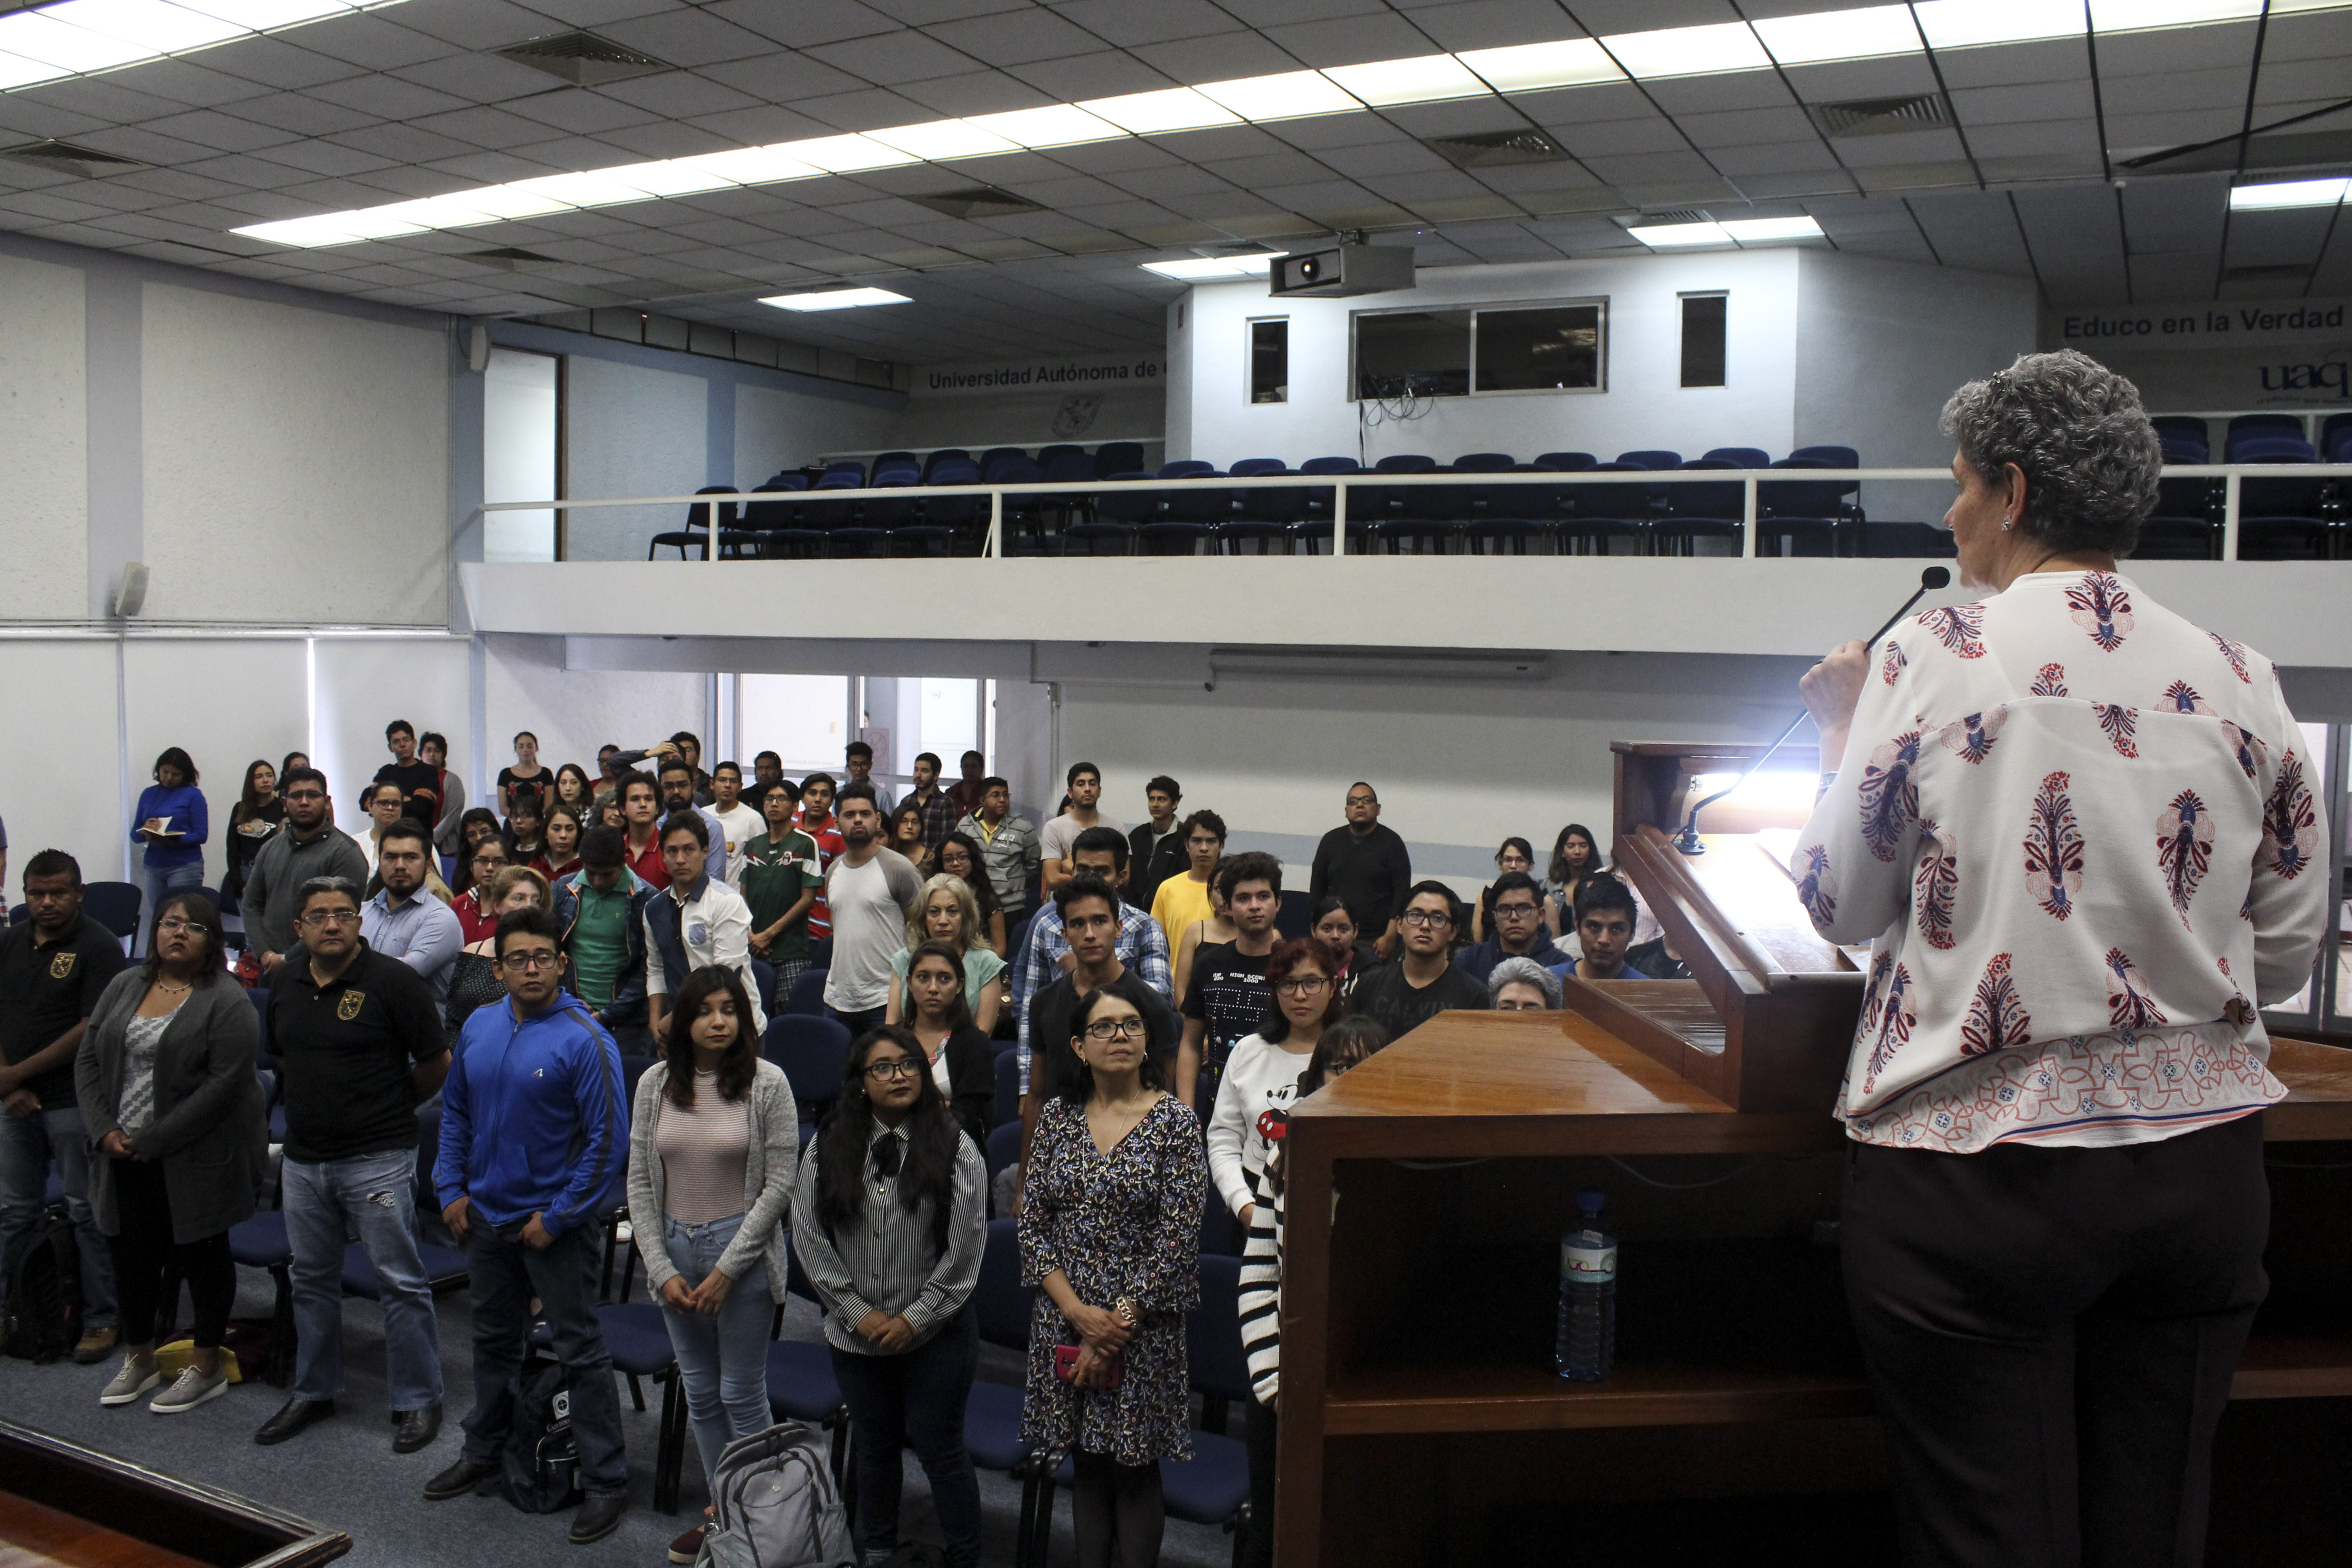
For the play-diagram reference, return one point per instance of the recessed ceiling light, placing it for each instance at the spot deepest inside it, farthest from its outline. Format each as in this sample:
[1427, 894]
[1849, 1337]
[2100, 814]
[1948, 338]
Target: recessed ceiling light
[1431, 79]
[2288, 194]
[45, 40]
[1288, 95]
[153, 25]
[1211, 268]
[80, 37]
[1533, 68]
[1966, 24]
[944, 138]
[1872, 32]
[1056, 125]
[835, 299]
[1690, 51]
[589, 188]
[2129, 15]
[261, 14]
[1664, 236]
[846, 154]
[666, 177]
[1752, 231]
[1170, 108]
[750, 165]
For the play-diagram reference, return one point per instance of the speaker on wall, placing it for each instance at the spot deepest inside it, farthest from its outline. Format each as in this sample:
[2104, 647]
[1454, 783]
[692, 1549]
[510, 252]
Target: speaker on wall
[478, 351]
[131, 594]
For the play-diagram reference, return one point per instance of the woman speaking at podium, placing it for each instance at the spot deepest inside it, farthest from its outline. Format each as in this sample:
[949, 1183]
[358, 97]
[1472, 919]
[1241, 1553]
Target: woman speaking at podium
[2082, 837]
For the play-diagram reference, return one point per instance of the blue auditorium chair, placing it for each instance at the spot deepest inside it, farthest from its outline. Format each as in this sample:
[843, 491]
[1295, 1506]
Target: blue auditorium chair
[696, 532]
[1114, 458]
[811, 1050]
[1264, 513]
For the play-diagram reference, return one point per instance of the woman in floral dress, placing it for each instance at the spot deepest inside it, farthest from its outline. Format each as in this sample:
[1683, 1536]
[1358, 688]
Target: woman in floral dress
[1111, 1227]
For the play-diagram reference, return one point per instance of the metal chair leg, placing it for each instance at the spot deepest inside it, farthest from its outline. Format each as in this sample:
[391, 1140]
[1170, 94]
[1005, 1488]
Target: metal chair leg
[636, 1392]
[669, 1457]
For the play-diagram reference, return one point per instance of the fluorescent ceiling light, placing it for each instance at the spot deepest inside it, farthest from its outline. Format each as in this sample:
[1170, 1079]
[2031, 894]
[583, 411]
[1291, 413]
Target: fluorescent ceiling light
[263, 15]
[156, 26]
[1872, 32]
[35, 36]
[1170, 108]
[835, 299]
[847, 154]
[1211, 268]
[79, 37]
[2288, 194]
[591, 188]
[752, 165]
[1966, 24]
[665, 178]
[2128, 16]
[1749, 231]
[1056, 125]
[1288, 95]
[944, 138]
[1431, 79]
[1533, 68]
[1690, 51]
[17, 71]
[1664, 236]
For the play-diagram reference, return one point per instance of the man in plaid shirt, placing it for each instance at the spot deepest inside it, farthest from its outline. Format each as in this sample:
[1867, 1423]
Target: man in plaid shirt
[1141, 947]
[940, 813]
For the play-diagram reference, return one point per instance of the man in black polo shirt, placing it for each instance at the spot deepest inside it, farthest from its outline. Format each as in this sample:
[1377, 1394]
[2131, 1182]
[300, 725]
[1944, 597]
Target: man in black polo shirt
[419, 782]
[360, 1046]
[52, 968]
[1228, 997]
[1405, 995]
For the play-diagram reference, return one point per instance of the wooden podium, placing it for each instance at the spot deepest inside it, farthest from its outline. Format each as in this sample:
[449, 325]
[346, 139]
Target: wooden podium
[1421, 1422]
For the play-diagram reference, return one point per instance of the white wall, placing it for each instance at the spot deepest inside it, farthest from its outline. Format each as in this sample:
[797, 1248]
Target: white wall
[60, 774]
[573, 712]
[225, 703]
[630, 431]
[775, 429]
[364, 683]
[296, 465]
[1210, 416]
[519, 449]
[43, 514]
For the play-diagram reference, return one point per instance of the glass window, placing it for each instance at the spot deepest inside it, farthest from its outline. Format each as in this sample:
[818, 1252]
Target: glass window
[1270, 361]
[1554, 349]
[519, 425]
[1704, 316]
[1412, 353]
[800, 718]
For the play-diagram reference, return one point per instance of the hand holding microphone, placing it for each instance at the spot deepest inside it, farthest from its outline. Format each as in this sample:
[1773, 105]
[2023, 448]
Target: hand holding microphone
[1832, 688]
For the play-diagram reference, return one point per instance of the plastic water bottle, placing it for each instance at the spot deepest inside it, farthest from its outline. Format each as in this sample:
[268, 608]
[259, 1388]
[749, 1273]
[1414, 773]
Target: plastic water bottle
[1586, 1349]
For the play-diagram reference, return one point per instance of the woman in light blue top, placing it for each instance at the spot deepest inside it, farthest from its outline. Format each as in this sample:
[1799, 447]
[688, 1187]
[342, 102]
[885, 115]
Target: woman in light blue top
[172, 824]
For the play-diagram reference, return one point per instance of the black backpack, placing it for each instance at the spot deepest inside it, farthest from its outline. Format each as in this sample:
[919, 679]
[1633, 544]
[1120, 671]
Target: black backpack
[540, 1468]
[43, 1268]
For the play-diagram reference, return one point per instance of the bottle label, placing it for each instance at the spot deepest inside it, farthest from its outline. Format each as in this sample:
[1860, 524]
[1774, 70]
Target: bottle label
[1582, 1265]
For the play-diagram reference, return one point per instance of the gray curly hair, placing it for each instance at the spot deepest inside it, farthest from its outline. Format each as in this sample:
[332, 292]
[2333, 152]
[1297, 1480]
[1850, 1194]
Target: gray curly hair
[2077, 430]
[1527, 971]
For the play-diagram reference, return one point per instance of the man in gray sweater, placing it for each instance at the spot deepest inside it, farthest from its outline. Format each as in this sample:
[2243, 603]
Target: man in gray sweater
[311, 846]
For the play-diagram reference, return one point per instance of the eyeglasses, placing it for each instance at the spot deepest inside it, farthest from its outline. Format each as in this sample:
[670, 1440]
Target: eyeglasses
[897, 1067]
[319, 919]
[1302, 985]
[1424, 918]
[1513, 911]
[1115, 1028]
[176, 928]
[530, 961]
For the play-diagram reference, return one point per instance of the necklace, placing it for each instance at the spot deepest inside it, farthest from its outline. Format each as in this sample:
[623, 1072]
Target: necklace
[172, 990]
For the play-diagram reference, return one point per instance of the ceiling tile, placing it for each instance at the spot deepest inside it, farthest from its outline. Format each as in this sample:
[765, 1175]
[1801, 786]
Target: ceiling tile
[1103, 75]
[104, 99]
[784, 77]
[1016, 38]
[2058, 59]
[973, 92]
[372, 40]
[1838, 79]
[2218, 88]
[1747, 126]
[2177, 49]
[1576, 105]
[1463, 116]
[480, 79]
[403, 143]
[679, 95]
[183, 80]
[759, 125]
[1219, 56]
[871, 109]
[1350, 39]
[1493, 24]
[1394, 158]
[392, 97]
[1127, 25]
[1738, 89]
[1606, 17]
[1774, 157]
[222, 132]
[665, 139]
[688, 37]
[804, 23]
[909, 56]
[577, 109]
[1616, 137]
[305, 115]
[2021, 103]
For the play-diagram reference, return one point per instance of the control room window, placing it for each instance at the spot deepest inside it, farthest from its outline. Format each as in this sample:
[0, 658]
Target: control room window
[1412, 353]
[1704, 320]
[1554, 348]
[1269, 360]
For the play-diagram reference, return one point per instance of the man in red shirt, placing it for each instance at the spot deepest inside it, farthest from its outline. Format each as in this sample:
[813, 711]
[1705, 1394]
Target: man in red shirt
[641, 811]
[966, 792]
[816, 819]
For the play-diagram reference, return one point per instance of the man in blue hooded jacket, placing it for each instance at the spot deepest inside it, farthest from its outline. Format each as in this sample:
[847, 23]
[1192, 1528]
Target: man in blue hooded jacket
[534, 1151]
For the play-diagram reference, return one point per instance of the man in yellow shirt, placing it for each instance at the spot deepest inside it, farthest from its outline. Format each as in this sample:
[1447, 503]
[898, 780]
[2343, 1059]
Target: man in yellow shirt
[1181, 900]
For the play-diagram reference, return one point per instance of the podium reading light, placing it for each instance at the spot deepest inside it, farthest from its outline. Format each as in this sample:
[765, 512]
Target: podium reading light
[1686, 840]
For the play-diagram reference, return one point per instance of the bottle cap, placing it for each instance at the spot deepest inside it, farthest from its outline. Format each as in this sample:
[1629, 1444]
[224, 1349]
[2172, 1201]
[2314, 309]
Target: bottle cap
[1591, 1200]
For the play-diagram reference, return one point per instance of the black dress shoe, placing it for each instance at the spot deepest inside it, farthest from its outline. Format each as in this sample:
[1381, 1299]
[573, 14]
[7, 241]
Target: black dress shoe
[598, 1518]
[416, 1429]
[460, 1478]
[291, 1418]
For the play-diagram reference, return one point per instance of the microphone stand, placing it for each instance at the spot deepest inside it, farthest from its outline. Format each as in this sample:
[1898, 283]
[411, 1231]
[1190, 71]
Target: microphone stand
[1687, 840]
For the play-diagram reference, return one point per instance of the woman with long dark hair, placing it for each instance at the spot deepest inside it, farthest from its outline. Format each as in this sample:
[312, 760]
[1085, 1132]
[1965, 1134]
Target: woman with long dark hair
[963, 1061]
[906, 836]
[253, 821]
[1575, 855]
[890, 1220]
[712, 1135]
[1110, 1225]
[1261, 1077]
[562, 836]
[165, 1078]
[1335, 927]
[171, 825]
[573, 788]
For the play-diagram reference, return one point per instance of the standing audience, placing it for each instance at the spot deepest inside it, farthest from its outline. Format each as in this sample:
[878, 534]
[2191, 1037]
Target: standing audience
[309, 847]
[1604, 926]
[252, 822]
[959, 856]
[906, 835]
[1424, 982]
[1575, 855]
[1084, 782]
[1008, 846]
[526, 773]
[1228, 997]
[171, 825]
[434, 751]
[873, 892]
[418, 781]
[696, 922]
[402, 920]
[474, 980]
[739, 821]
[601, 917]
[1367, 864]
[1335, 927]
[1515, 927]
[946, 912]
[957, 1052]
[780, 882]
[1180, 900]
[940, 813]
[473, 907]
[1516, 855]
[1102, 852]
[1262, 1078]
[1156, 847]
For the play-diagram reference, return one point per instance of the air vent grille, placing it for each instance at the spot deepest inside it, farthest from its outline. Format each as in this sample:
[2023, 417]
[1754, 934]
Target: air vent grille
[1494, 149]
[977, 202]
[585, 59]
[1881, 116]
[1670, 215]
[65, 158]
[506, 258]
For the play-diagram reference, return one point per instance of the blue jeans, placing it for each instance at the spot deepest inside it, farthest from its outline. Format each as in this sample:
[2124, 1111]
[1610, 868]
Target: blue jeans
[376, 1195]
[506, 1274]
[27, 1144]
[155, 881]
[916, 1400]
[722, 1358]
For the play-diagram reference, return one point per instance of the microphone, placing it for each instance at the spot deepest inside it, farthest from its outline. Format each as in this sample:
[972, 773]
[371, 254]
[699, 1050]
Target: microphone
[1687, 841]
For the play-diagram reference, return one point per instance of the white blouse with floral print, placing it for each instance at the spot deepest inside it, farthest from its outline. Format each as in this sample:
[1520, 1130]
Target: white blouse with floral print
[2082, 837]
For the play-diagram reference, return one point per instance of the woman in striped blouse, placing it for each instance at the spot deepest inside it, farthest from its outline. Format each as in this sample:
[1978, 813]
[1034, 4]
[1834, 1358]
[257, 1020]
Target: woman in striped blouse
[2079, 835]
[1342, 1046]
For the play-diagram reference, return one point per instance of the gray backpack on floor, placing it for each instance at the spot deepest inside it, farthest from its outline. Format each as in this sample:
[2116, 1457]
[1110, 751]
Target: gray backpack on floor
[776, 1505]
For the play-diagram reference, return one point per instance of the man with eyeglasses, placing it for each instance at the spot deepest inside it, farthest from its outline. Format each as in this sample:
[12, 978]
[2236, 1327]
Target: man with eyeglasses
[405, 921]
[1228, 997]
[1090, 911]
[1518, 929]
[360, 1047]
[53, 966]
[1405, 995]
[1367, 865]
[534, 1146]
[309, 847]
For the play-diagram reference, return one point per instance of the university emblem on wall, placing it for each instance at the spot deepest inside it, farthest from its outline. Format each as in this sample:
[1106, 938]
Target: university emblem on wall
[348, 1008]
[1077, 414]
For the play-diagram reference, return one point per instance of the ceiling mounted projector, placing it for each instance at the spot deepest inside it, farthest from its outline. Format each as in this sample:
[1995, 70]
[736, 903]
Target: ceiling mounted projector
[1343, 271]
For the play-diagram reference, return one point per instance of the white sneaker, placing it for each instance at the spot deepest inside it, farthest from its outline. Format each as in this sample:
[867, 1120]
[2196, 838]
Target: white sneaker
[191, 1389]
[129, 1382]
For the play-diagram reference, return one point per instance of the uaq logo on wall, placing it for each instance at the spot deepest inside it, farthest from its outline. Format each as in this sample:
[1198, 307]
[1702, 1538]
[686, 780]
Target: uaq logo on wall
[2221, 355]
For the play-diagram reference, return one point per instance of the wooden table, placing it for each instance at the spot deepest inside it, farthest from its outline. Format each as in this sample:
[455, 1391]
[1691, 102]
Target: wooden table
[1421, 1420]
[66, 1504]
